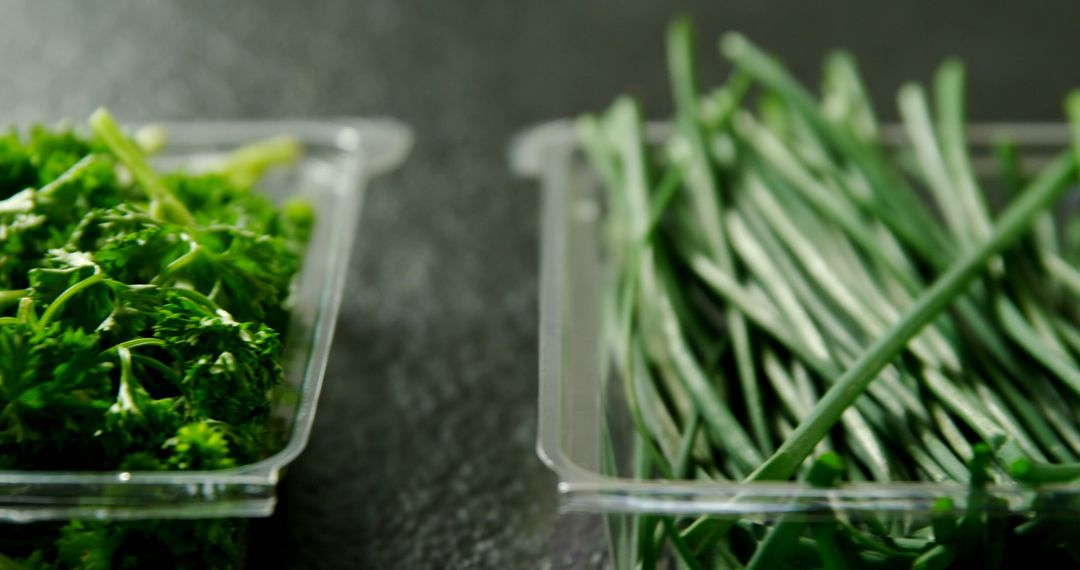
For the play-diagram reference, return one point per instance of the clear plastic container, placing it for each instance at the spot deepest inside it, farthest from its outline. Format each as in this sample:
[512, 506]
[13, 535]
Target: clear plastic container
[339, 158]
[585, 431]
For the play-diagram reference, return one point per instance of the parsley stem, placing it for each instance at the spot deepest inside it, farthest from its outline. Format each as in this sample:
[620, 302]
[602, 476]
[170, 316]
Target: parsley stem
[68, 293]
[124, 397]
[206, 302]
[12, 296]
[179, 263]
[163, 202]
[134, 343]
[247, 164]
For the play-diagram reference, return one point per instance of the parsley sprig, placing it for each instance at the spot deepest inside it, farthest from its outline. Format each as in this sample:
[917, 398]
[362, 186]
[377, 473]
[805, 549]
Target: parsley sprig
[141, 322]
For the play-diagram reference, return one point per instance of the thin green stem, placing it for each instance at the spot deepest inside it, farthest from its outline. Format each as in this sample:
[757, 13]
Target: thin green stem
[12, 296]
[949, 99]
[163, 203]
[194, 252]
[685, 554]
[247, 164]
[134, 343]
[824, 472]
[916, 115]
[1072, 111]
[125, 398]
[1018, 329]
[58, 303]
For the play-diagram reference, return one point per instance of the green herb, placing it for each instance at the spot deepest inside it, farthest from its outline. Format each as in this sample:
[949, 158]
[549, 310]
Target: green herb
[902, 338]
[141, 325]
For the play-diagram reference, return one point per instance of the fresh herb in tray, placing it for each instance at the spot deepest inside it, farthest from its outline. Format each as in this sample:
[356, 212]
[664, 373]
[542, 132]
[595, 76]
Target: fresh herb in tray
[141, 325]
[784, 304]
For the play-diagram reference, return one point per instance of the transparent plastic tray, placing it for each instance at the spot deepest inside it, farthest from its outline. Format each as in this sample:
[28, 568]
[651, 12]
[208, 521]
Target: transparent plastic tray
[339, 158]
[584, 429]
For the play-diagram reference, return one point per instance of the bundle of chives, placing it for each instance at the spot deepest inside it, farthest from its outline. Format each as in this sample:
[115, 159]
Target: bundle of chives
[781, 291]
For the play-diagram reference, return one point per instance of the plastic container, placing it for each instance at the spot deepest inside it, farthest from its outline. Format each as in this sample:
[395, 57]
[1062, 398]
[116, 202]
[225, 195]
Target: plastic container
[585, 431]
[339, 158]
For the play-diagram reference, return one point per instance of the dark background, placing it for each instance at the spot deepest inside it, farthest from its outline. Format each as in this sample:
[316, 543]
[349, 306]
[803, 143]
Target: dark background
[422, 454]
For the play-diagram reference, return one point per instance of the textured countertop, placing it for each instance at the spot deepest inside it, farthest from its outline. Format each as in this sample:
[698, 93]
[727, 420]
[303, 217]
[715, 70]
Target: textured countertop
[422, 454]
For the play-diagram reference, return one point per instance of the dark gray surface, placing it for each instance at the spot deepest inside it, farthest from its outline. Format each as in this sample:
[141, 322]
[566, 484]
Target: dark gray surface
[422, 454]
